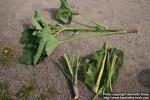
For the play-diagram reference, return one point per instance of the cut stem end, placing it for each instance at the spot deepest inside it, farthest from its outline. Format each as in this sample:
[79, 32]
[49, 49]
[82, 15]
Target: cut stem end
[76, 93]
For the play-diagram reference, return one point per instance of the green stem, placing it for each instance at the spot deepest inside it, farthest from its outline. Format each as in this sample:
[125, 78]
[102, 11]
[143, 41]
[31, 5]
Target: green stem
[109, 79]
[57, 33]
[95, 35]
[76, 93]
[75, 75]
[90, 19]
[101, 71]
[78, 62]
[74, 29]
[69, 66]
[112, 71]
[39, 51]
[93, 30]
[99, 92]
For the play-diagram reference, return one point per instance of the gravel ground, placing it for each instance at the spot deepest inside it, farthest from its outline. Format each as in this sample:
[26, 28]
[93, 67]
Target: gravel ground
[15, 16]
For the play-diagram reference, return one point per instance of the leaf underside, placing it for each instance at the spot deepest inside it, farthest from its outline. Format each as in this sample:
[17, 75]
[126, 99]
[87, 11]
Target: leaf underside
[65, 13]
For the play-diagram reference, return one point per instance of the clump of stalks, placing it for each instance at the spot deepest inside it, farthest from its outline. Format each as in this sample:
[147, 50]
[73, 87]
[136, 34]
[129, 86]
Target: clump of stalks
[73, 63]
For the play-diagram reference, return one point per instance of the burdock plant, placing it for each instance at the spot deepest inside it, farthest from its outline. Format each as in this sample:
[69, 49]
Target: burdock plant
[41, 39]
[71, 71]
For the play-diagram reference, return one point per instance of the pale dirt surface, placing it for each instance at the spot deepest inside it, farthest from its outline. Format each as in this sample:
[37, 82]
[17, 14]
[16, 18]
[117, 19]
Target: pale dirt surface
[15, 15]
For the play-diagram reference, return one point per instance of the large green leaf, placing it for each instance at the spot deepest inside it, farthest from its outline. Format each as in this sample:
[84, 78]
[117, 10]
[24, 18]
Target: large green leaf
[51, 45]
[44, 31]
[39, 21]
[31, 44]
[92, 67]
[31, 37]
[110, 74]
[44, 36]
[38, 39]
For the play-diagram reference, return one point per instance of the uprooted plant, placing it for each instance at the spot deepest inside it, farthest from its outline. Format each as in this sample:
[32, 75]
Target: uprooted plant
[102, 69]
[73, 63]
[41, 39]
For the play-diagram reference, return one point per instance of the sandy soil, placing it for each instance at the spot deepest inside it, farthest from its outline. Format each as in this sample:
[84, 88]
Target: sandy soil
[15, 15]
